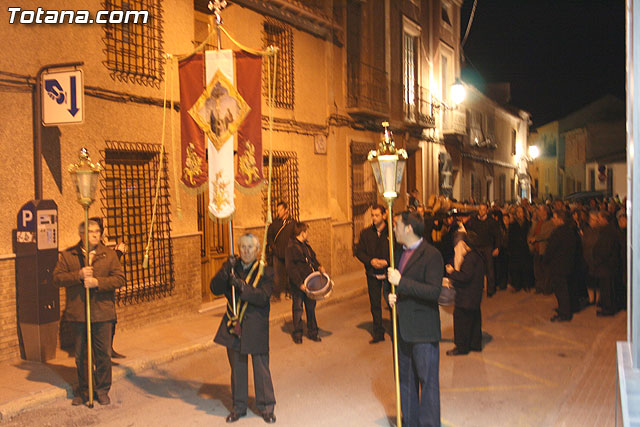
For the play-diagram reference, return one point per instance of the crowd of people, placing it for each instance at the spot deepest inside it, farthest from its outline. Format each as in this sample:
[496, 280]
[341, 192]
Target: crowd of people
[563, 248]
[555, 247]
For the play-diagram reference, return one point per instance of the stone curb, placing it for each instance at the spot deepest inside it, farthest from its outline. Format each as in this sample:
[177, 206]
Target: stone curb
[13, 408]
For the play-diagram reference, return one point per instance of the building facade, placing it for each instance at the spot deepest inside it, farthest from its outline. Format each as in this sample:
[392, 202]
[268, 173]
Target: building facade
[343, 67]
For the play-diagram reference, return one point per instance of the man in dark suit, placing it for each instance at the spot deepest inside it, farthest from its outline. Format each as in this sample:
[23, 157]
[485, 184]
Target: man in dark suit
[278, 235]
[248, 334]
[102, 277]
[418, 281]
[489, 239]
[373, 252]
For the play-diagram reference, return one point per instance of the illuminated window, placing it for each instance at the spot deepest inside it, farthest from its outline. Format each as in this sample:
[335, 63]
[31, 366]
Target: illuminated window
[134, 50]
[410, 70]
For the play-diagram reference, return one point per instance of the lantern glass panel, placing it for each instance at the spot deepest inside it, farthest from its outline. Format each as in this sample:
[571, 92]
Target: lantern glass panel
[399, 174]
[388, 172]
[376, 173]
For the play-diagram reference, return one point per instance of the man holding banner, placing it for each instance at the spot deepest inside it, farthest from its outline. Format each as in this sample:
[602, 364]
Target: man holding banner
[247, 333]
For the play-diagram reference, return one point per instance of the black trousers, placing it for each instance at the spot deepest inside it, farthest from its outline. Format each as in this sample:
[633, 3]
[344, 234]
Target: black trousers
[239, 363]
[607, 294]
[485, 251]
[280, 277]
[541, 274]
[376, 287]
[467, 329]
[501, 268]
[298, 299]
[101, 344]
[560, 286]
[521, 274]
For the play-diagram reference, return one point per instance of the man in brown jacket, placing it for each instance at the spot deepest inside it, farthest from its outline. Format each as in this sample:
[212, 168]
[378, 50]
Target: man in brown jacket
[102, 277]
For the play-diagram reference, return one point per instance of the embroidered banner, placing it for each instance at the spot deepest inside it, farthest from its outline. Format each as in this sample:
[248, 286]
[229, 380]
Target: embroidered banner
[219, 111]
[193, 150]
[249, 174]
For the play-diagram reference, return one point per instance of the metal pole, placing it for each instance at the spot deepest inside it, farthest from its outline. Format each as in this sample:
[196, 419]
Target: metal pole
[37, 125]
[215, 8]
[394, 318]
[88, 305]
[233, 289]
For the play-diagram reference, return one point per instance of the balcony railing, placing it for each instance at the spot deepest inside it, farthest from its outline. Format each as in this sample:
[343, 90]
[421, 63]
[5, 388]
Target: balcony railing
[418, 107]
[366, 89]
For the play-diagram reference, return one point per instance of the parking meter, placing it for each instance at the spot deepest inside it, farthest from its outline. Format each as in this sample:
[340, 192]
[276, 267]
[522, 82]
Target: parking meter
[36, 249]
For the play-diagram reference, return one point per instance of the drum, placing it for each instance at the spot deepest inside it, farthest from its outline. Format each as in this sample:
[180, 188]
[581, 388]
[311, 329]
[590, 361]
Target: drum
[318, 286]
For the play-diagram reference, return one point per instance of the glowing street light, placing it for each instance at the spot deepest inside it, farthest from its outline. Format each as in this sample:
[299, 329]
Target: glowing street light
[458, 92]
[534, 151]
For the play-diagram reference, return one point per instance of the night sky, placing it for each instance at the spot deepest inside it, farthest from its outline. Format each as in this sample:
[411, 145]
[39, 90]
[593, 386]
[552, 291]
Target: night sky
[558, 55]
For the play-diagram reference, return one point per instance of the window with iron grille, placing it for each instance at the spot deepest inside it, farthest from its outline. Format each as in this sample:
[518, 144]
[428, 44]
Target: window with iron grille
[134, 50]
[363, 188]
[128, 191]
[284, 183]
[281, 36]
[410, 61]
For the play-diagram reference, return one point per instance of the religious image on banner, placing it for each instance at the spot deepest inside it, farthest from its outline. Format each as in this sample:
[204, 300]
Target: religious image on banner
[220, 110]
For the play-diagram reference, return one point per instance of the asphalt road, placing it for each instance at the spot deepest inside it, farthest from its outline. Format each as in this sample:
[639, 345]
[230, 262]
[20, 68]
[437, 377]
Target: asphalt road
[340, 381]
[532, 372]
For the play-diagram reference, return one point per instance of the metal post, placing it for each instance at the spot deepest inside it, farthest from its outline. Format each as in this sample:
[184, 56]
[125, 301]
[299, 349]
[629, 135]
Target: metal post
[394, 317]
[88, 305]
[233, 289]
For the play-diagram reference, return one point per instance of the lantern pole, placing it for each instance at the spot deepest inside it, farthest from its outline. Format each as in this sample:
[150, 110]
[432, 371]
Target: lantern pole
[388, 164]
[394, 316]
[85, 174]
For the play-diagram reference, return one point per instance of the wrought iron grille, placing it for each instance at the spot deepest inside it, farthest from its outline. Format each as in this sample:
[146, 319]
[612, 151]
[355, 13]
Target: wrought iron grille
[366, 86]
[134, 50]
[128, 191]
[284, 183]
[363, 188]
[281, 36]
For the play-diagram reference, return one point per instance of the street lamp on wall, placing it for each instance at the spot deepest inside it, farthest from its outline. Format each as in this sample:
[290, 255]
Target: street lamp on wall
[534, 151]
[388, 165]
[85, 177]
[458, 92]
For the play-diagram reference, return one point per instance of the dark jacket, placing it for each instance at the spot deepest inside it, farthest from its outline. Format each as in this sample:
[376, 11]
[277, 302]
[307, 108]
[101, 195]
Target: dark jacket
[418, 292]
[255, 322]
[606, 253]
[372, 246]
[106, 268]
[278, 236]
[487, 230]
[562, 250]
[301, 261]
[469, 281]
[517, 244]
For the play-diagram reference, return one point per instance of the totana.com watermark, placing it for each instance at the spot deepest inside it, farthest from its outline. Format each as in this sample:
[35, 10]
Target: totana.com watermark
[18, 15]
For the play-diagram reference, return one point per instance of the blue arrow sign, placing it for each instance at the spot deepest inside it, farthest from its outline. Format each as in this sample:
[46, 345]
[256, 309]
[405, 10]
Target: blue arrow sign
[74, 109]
[54, 90]
[62, 97]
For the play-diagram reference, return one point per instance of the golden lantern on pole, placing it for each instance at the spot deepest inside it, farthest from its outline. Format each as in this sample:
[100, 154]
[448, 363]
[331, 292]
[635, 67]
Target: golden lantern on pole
[388, 165]
[85, 177]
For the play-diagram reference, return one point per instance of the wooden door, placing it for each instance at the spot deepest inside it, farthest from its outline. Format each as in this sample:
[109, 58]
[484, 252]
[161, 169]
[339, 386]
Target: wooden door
[214, 244]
